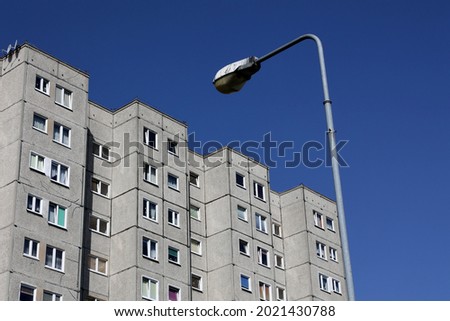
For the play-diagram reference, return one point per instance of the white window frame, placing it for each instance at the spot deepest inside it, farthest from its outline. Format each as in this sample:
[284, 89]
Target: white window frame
[333, 254]
[96, 261]
[336, 286]
[29, 287]
[321, 250]
[37, 116]
[246, 246]
[39, 158]
[330, 226]
[276, 229]
[173, 217]
[198, 245]
[59, 167]
[261, 223]
[56, 218]
[256, 191]
[146, 210]
[200, 282]
[249, 281]
[177, 290]
[241, 209]
[196, 210]
[43, 86]
[151, 282]
[34, 200]
[172, 147]
[147, 132]
[280, 264]
[243, 185]
[265, 291]
[281, 290]
[31, 243]
[58, 128]
[54, 258]
[55, 296]
[98, 224]
[177, 180]
[151, 174]
[178, 255]
[324, 282]
[263, 253]
[147, 244]
[194, 179]
[99, 184]
[101, 148]
[318, 220]
[62, 99]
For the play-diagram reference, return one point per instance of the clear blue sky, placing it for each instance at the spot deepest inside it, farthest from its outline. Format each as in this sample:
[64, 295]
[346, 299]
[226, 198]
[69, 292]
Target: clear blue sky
[389, 72]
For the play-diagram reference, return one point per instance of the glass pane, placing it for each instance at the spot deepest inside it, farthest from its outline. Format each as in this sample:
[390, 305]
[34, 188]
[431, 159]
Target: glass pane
[145, 287]
[65, 137]
[92, 263]
[67, 98]
[37, 204]
[245, 282]
[93, 223]
[105, 153]
[103, 226]
[64, 171]
[40, 163]
[153, 290]
[30, 202]
[49, 256]
[58, 261]
[38, 83]
[104, 189]
[153, 250]
[54, 172]
[34, 249]
[96, 149]
[47, 296]
[61, 216]
[56, 133]
[101, 266]
[153, 211]
[39, 122]
[52, 213]
[26, 247]
[26, 293]
[173, 294]
[58, 95]
[145, 247]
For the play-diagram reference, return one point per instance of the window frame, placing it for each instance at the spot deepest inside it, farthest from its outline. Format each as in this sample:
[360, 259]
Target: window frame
[98, 222]
[53, 294]
[276, 257]
[55, 251]
[246, 247]
[318, 220]
[336, 286]
[177, 262]
[172, 147]
[97, 260]
[321, 250]
[100, 185]
[100, 148]
[244, 212]
[200, 282]
[57, 208]
[38, 158]
[283, 290]
[147, 244]
[196, 210]
[44, 84]
[199, 252]
[333, 254]
[275, 227]
[256, 191]
[330, 227]
[243, 185]
[31, 242]
[174, 289]
[147, 138]
[62, 102]
[324, 282]
[35, 116]
[33, 204]
[264, 291]
[173, 217]
[177, 180]
[196, 178]
[146, 210]
[261, 223]
[248, 280]
[59, 167]
[263, 253]
[29, 287]
[60, 130]
[151, 282]
[149, 176]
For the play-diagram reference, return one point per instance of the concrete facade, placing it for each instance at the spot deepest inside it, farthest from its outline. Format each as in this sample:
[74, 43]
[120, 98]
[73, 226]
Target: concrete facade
[112, 205]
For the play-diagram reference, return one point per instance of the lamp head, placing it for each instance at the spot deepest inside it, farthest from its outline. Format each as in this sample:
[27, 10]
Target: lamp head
[233, 77]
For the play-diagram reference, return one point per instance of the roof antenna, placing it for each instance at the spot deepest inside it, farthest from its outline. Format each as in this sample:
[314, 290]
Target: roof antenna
[10, 49]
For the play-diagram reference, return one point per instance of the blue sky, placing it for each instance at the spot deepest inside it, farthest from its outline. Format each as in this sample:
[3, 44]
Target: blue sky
[389, 75]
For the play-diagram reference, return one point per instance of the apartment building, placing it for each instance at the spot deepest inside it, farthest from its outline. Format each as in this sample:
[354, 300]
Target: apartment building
[111, 205]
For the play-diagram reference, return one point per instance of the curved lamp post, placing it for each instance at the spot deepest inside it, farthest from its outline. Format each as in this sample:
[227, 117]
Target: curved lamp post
[233, 77]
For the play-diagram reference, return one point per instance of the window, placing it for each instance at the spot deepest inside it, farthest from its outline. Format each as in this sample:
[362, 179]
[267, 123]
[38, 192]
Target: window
[61, 134]
[318, 219]
[279, 261]
[196, 247]
[98, 225]
[333, 254]
[150, 249]
[97, 264]
[54, 258]
[261, 223]
[27, 293]
[330, 224]
[149, 289]
[336, 286]
[57, 215]
[100, 187]
[242, 213]
[281, 294]
[50, 296]
[174, 255]
[42, 85]
[243, 247]
[100, 151]
[195, 212]
[240, 180]
[174, 218]
[193, 179]
[34, 204]
[172, 181]
[37, 162]
[258, 191]
[172, 147]
[174, 293]
[264, 291]
[276, 229]
[196, 282]
[150, 138]
[63, 97]
[31, 248]
[321, 250]
[150, 174]
[323, 282]
[245, 283]
[263, 257]
[150, 210]
[59, 173]
[40, 123]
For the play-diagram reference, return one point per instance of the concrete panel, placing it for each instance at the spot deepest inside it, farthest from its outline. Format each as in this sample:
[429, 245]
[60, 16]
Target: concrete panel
[10, 119]
[13, 73]
[156, 266]
[173, 232]
[121, 289]
[7, 207]
[125, 175]
[296, 250]
[219, 251]
[218, 216]
[9, 160]
[6, 250]
[123, 251]
[176, 271]
[221, 284]
[299, 281]
[124, 212]
[155, 227]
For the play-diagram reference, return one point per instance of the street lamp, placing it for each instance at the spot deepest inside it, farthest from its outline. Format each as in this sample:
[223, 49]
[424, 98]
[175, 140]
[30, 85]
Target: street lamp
[233, 77]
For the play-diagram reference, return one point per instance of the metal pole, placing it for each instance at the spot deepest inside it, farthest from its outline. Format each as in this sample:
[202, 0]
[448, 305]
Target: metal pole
[334, 159]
